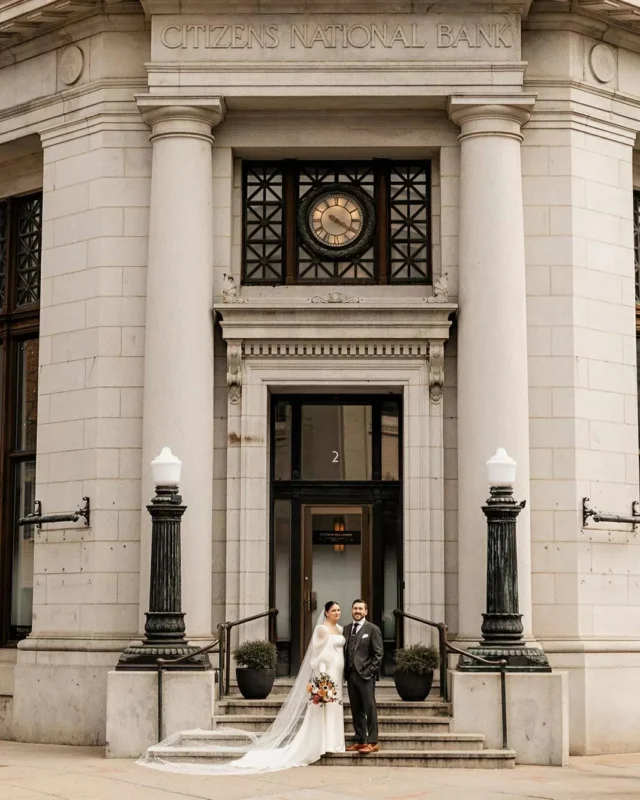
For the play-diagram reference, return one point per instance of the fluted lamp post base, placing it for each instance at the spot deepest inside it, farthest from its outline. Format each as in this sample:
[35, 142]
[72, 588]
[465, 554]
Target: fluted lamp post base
[165, 627]
[502, 629]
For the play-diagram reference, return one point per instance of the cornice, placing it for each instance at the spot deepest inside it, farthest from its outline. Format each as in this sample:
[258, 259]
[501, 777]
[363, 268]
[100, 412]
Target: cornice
[157, 7]
[22, 20]
[317, 319]
[614, 21]
[115, 92]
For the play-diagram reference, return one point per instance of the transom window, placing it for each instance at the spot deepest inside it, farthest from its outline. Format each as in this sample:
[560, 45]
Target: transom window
[20, 247]
[334, 222]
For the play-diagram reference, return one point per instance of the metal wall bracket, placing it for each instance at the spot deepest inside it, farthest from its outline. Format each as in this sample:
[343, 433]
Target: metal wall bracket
[604, 516]
[38, 518]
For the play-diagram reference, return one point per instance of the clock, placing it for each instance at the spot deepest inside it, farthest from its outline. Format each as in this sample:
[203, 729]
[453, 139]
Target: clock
[337, 221]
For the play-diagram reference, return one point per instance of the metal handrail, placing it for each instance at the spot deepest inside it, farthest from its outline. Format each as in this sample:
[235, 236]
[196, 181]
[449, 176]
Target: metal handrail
[224, 654]
[446, 647]
[161, 664]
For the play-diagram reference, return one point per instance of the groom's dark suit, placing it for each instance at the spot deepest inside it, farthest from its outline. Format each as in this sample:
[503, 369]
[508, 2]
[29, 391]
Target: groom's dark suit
[363, 653]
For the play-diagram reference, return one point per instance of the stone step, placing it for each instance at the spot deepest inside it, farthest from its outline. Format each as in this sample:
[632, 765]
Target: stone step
[388, 724]
[231, 707]
[426, 741]
[447, 759]
[387, 741]
[443, 758]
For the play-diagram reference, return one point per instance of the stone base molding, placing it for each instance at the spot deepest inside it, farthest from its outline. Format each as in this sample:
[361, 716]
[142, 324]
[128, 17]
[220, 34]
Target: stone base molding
[537, 713]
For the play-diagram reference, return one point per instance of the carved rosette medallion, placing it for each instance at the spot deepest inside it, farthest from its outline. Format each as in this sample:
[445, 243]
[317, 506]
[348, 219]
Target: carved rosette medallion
[71, 64]
[603, 63]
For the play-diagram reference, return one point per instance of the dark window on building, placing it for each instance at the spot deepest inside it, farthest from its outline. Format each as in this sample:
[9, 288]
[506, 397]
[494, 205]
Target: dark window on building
[20, 248]
[336, 223]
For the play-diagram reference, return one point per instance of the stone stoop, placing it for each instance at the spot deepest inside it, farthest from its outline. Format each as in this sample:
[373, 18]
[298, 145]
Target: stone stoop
[410, 735]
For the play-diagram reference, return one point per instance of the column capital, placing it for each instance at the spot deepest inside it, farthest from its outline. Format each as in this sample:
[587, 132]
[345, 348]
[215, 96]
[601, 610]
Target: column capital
[181, 116]
[491, 115]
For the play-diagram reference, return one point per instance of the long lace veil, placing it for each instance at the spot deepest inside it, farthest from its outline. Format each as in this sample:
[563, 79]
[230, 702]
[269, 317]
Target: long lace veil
[224, 740]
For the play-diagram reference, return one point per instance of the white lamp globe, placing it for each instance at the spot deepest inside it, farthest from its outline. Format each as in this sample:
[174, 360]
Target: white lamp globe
[166, 468]
[501, 469]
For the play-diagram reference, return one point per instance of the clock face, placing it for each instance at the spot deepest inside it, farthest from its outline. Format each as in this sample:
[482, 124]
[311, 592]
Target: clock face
[336, 219]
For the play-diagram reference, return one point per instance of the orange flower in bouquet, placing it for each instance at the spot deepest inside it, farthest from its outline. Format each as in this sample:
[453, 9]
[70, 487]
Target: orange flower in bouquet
[322, 690]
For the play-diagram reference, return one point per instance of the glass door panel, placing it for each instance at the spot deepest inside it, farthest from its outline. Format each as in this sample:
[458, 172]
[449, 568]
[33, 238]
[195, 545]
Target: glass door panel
[336, 442]
[337, 554]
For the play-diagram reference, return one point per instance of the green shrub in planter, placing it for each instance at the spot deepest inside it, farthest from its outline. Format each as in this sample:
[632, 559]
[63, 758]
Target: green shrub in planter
[256, 654]
[256, 668]
[414, 666]
[417, 658]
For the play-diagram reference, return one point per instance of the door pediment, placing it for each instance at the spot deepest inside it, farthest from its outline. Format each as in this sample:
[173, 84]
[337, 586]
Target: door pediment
[337, 325]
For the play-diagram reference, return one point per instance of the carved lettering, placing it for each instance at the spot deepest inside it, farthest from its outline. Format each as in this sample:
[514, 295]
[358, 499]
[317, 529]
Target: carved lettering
[359, 35]
[485, 34]
[217, 33]
[392, 36]
[399, 36]
[169, 39]
[463, 36]
[471, 36]
[380, 35]
[256, 36]
[445, 37]
[501, 36]
[300, 35]
[271, 32]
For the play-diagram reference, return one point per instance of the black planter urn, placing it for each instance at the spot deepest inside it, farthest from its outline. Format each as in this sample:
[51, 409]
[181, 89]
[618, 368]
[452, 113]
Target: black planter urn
[411, 687]
[255, 684]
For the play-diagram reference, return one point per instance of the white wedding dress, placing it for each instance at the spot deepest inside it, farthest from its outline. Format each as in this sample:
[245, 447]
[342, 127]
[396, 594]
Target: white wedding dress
[301, 733]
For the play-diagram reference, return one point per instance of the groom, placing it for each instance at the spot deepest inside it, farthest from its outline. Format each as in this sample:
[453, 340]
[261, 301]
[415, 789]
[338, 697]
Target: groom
[363, 653]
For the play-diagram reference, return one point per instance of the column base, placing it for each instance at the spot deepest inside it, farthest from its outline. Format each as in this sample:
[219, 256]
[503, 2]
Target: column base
[144, 657]
[519, 658]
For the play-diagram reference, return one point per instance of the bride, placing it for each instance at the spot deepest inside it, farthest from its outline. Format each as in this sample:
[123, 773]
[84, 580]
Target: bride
[301, 732]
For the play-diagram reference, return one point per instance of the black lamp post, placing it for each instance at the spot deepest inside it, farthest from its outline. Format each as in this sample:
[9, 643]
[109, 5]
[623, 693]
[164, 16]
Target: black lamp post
[502, 628]
[165, 628]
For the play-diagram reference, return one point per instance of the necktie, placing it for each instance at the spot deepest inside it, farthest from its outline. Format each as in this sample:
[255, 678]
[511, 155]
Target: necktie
[356, 628]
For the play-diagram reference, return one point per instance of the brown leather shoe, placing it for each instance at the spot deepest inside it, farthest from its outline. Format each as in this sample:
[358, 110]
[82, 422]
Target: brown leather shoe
[354, 748]
[369, 748]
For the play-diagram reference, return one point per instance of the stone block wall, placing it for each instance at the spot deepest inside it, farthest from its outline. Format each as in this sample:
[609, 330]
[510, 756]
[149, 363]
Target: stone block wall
[577, 177]
[86, 580]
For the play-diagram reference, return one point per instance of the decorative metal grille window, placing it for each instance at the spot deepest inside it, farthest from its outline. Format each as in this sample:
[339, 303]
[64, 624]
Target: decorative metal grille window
[20, 255]
[29, 235]
[264, 215]
[335, 222]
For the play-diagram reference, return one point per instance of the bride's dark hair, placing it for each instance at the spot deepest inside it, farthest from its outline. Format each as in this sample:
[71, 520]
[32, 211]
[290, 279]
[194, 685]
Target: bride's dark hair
[328, 606]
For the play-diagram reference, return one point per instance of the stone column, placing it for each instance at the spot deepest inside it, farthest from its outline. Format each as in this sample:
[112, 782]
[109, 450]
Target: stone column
[493, 403]
[178, 376]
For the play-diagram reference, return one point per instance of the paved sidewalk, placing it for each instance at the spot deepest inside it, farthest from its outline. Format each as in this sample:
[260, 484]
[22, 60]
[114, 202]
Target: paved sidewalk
[38, 772]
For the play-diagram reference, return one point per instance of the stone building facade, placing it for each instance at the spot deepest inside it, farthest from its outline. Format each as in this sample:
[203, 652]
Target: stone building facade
[167, 277]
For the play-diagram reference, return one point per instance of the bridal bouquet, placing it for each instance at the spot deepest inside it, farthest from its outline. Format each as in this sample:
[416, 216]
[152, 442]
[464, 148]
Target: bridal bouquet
[322, 690]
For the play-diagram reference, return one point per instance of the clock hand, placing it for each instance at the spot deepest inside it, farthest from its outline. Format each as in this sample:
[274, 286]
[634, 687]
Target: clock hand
[342, 224]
